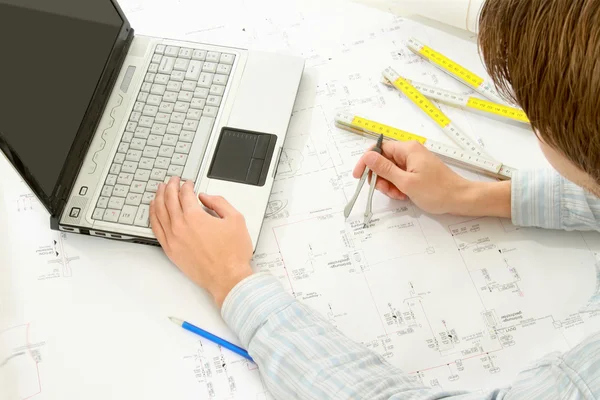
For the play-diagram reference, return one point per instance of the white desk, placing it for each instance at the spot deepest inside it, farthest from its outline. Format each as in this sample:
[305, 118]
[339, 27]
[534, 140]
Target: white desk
[459, 302]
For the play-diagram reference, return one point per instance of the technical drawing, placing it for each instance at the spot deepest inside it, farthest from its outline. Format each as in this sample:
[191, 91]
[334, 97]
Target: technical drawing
[20, 358]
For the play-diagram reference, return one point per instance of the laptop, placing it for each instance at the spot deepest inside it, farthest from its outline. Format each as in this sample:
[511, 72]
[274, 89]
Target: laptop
[94, 117]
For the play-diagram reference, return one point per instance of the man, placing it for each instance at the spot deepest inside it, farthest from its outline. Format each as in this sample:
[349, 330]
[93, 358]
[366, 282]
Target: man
[545, 56]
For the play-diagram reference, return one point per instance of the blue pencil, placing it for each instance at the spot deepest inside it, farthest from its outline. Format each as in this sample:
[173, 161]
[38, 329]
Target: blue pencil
[215, 339]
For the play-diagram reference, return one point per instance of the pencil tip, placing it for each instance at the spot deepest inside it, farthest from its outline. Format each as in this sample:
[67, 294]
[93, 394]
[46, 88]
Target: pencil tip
[176, 321]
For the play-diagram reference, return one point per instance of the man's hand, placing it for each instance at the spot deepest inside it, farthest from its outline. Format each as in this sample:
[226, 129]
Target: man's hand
[213, 252]
[409, 170]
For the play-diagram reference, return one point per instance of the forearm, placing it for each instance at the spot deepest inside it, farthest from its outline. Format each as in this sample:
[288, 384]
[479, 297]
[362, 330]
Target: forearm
[302, 356]
[481, 199]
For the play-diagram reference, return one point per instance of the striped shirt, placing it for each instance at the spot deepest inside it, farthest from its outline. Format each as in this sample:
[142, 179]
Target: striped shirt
[302, 356]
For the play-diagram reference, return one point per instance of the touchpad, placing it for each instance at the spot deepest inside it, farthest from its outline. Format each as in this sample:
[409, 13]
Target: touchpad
[242, 156]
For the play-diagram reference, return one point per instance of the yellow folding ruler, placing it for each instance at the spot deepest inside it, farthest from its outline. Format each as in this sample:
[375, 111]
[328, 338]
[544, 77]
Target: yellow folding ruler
[452, 155]
[455, 70]
[435, 114]
[469, 103]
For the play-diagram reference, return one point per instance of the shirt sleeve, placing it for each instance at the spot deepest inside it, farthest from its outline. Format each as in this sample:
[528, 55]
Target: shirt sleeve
[542, 198]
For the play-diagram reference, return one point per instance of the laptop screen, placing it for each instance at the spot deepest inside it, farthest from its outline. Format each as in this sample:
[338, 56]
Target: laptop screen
[52, 54]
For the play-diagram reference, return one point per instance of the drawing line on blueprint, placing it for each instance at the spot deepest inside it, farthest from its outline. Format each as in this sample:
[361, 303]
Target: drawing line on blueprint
[21, 352]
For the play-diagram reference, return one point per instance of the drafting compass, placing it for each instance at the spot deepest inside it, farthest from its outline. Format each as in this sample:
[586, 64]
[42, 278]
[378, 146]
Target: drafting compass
[369, 208]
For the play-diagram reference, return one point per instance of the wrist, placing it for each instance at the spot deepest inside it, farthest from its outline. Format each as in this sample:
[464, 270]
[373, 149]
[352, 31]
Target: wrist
[485, 199]
[225, 284]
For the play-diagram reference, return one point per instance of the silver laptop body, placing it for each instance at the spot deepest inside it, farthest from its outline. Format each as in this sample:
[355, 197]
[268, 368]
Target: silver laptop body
[215, 115]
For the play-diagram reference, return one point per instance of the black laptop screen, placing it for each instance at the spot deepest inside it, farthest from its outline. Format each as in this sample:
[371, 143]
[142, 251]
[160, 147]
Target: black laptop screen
[52, 53]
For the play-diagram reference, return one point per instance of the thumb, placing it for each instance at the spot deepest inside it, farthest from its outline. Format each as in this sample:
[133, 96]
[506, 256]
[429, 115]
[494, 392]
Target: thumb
[219, 205]
[385, 168]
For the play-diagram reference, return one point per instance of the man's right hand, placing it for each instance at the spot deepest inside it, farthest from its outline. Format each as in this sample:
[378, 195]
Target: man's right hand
[409, 170]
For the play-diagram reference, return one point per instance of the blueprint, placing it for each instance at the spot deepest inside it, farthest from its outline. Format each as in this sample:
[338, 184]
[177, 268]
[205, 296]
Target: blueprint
[457, 302]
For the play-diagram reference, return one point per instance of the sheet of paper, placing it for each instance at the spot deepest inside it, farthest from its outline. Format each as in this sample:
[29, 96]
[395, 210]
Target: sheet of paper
[458, 302]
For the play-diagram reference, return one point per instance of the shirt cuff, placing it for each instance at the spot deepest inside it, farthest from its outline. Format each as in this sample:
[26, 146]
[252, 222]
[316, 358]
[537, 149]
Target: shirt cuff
[535, 198]
[250, 303]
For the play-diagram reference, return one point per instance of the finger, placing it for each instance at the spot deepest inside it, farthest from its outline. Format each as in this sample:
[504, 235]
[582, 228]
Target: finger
[389, 189]
[219, 205]
[157, 228]
[399, 151]
[187, 197]
[161, 209]
[172, 200]
[386, 169]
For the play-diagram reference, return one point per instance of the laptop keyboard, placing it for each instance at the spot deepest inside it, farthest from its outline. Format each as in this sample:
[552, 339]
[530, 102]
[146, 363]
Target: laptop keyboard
[167, 131]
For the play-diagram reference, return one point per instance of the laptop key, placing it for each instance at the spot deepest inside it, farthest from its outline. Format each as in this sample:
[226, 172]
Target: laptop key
[174, 128]
[184, 52]
[183, 148]
[227, 58]
[119, 158]
[146, 163]
[125, 178]
[178, 159]
[199, 55]
[98, 213]
[190, 124]
[220, 79]
[201, 92]
[193, 71]
[166, 65]
[142, 175]
[194, 114]
[142, 216]
[223, 69]
[133, 199]
[154, 100]
[148, 197]
[158, 174]
[181, 64]
[190, 172]
[115, 169]
[162, 162]
[172, 51]
[152, 186]
[154, 140]
[160, 49]
[198, 103]
[111, 215]
[158, 89]
[116, 203]
[209, 67]
[137, 144]
[175, 170]
[138, 187]
[111, 179]
[174, 86]
[178, 117]
[213, 56]
[120, 190]
[158, 129]
[133, 155]
[128, 214]
[186, 136]
[150, 152]
[146, 122]
[217, 90]
[103, 201]
[162, 118]
[170, 140]
[181, 106]
[210, 111]
[127, 136]
[129, 166]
